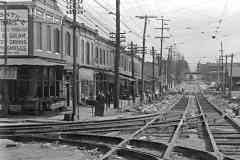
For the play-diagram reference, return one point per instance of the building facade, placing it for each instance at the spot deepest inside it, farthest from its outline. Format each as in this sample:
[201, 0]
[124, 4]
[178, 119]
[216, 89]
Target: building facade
[38, 72]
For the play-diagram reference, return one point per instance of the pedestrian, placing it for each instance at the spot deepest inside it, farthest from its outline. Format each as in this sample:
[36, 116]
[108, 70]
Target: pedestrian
[99, 107]
[108, 100]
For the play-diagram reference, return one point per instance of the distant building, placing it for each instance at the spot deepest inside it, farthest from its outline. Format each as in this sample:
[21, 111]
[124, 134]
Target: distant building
[209, 71]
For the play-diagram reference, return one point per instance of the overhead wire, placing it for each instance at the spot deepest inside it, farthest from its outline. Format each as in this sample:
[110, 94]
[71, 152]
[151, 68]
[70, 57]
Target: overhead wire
[90, 18]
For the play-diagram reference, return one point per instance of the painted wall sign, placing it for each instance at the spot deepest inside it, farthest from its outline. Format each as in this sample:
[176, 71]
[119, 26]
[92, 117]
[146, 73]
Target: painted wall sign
[17, 32]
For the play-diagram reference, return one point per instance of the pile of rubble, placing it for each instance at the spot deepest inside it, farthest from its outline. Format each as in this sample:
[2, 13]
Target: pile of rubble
[167, 102]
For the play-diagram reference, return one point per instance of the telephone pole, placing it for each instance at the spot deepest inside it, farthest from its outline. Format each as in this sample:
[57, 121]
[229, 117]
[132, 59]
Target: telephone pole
[117, 56]
[74, 86]
[132, 62]
[5, 33]
[162, 28]
[153, 74]
[74, 7]
[222, 67]
[143, 52]
[226, 73]
[230, 80]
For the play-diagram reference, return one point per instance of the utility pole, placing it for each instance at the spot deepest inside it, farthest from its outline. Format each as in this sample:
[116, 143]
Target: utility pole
[73, 7]
[166, 73]
[132, 62]
[5, 83]
[168, 66]
[161, 49]
[74, 85]
[218, 70]
[225, 77]
[222, 68]
[117, 57]
[153, 68]
[143, 52]
[230, 80]
[159, 72]
[5, 34]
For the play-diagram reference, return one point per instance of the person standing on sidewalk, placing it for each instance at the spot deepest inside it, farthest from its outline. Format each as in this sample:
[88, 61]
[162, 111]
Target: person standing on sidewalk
[99, 107]
[108, 100]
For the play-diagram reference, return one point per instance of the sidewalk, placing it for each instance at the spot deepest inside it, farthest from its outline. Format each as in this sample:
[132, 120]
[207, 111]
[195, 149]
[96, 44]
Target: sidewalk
[85, 114]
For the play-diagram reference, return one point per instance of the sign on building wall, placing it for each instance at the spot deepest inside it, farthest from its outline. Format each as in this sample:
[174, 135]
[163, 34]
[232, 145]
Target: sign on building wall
[17, 32]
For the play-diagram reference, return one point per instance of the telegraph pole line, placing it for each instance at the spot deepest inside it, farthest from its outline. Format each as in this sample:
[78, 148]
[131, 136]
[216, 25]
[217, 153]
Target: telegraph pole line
[74, 86]
[5, 33]
[162, 28]
[143, 51]
[222, 67]
[230, 80]
[132, 62]
[168, 66]
[117, 56]
[159, 73]
[226, 70]
[153, 74]
[73, 7]
[218, 70]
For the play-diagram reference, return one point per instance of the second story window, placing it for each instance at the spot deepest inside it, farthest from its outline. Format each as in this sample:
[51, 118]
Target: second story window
[68, 44]
[76, 45]
[87, 53]
[104, 57]
[56, 34]
[101, 56]
[49, 38]
[92, 53]
[82, 51]
[38, 43]
[97, 56]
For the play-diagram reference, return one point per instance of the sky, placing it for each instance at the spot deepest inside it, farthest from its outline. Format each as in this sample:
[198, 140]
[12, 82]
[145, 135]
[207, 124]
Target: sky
[192, 24]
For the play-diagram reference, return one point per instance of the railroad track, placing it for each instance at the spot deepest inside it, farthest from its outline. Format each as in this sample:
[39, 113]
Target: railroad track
[106, 125]
[225, 132]
[100, 127]
[165, 136]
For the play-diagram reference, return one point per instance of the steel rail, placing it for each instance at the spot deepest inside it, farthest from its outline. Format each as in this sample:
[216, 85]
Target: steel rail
[139, 149]
[74, 126]
[93, 129]
[176, 133]
[126, 140]
[209, 133]
[223, 141]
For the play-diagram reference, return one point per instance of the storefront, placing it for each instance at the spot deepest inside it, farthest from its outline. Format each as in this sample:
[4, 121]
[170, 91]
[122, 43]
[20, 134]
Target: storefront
[87, 86]
[30, 88]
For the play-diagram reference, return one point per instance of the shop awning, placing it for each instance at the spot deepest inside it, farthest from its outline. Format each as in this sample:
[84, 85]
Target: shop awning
[29, 61]
[127, 78]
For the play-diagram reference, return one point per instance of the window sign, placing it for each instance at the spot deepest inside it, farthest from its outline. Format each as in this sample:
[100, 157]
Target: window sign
[17, 32]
